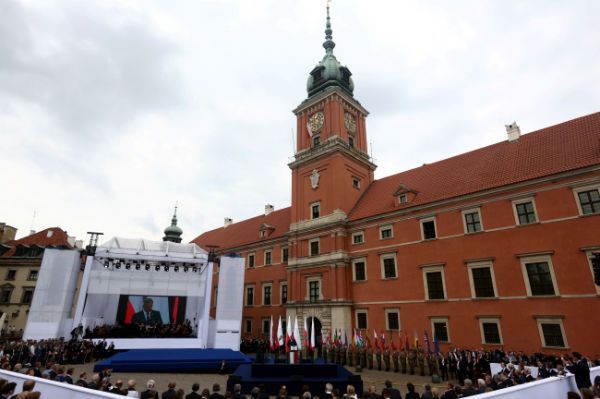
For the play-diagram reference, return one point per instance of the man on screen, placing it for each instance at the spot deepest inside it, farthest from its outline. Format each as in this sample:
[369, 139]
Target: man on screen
[147, 315]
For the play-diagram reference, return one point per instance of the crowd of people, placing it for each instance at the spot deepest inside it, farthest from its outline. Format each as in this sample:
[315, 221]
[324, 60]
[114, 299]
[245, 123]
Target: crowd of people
[140, 330]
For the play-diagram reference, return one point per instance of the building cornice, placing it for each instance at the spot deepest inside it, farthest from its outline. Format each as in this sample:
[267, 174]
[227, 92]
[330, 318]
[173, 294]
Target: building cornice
[336, 217]
[317, 260]
[329, 92]
[332, 145]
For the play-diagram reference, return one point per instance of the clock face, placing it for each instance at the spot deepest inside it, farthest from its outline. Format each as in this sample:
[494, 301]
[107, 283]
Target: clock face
[350, 122]
[316, 121]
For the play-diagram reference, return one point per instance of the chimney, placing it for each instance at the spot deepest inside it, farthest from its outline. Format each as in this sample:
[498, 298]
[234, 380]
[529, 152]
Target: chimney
[269, 209]
[228, 222]
[513, 131]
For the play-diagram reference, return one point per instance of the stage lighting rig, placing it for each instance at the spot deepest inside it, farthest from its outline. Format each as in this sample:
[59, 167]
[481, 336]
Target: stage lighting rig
[176, 268]
[128, 265]
[157, 268]
[106, 264]
[147, 267]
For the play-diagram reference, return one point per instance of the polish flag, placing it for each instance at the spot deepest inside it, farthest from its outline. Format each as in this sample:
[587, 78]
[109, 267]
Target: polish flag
[312, 335]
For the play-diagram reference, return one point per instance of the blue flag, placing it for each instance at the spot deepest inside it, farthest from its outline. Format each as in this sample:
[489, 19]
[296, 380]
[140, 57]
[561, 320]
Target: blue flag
[436, 344]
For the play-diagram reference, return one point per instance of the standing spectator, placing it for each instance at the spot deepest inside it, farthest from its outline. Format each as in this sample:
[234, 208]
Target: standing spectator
[350, 392]
[117, 389]
[450, 393]
[597, 386]
[170, 392]
[150, 392]
[428, 394]
[581, 370]
[179, 394]
[573, 395]
[237, 392]
[8, 390]
[587, 393]
[411, 394]
[469, 389]
[28, 386]
[328, 390]
[131, 392]
[393, 392]
[194, 394]
[370, 394]
[216, 395]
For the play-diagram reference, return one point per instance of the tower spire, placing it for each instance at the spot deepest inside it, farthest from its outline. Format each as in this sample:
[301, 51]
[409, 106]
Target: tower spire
[173, 232]
[329, 44]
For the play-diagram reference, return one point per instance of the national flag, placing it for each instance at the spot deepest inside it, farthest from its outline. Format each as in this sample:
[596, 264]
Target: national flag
[279, 334]
[271, 340]
[367, 339]
[360, 339]
[288, 333]
[339, 343]
[306, 344]
[392, 346]
[382, 341]
[345, 339]
[296, 334]
[375, 340]
[309, 130]
[406, 342]
[416, 344]
[401, 341]
[312, 335]
[436, 344]
[427, 342]
[335, 337]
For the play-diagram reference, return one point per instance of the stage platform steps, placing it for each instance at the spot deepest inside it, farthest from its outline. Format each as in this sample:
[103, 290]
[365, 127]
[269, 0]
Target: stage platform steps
[294, 377]
[174, 360]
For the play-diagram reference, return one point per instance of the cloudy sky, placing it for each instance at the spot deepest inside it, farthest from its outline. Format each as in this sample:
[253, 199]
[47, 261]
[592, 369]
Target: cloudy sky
[111, 111]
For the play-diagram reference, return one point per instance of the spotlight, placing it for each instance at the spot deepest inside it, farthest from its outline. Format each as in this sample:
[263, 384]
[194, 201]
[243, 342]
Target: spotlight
[185, 269]
[137, 266]
[118, 265]
[128, 265]
[147, 267]
[106, 264]
[166, 268]
[176, 268]
[157, 267]
[194, 269]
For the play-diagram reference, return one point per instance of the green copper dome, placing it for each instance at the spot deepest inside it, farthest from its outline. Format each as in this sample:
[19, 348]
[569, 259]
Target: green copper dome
[329, 72]
[173, 232]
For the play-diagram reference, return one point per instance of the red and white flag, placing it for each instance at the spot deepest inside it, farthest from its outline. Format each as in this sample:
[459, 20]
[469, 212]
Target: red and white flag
[312, 335]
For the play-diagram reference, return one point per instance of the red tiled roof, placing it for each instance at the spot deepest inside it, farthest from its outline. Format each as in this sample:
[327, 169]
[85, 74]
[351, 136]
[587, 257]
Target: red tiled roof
[59, 237]
[567, 146]
[246, 231]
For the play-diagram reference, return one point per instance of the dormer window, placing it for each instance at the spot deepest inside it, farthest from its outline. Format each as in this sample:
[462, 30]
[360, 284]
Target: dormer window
[405, 194]
[265, 230]
[317, 74]
[345, 75]
[403, 198]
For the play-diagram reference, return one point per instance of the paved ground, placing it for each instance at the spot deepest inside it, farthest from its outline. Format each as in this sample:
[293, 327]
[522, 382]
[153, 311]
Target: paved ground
[185, 381]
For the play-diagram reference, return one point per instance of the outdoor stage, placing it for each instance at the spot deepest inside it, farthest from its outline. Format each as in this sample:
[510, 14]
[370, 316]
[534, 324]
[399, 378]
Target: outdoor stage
[174, 360]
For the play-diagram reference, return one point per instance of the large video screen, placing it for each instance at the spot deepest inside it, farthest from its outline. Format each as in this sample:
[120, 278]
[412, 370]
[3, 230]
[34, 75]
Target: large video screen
[138, 309]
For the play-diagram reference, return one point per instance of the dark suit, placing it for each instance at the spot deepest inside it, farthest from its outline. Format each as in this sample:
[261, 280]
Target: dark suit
[142, 318]
[149, 394]
[193, 395]
[169, 394]
[582, 374]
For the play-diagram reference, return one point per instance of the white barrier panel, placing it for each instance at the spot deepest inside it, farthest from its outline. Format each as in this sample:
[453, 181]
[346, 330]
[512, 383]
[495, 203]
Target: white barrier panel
[230, 302]
[594, 372]
[548, 388]
[55, 390]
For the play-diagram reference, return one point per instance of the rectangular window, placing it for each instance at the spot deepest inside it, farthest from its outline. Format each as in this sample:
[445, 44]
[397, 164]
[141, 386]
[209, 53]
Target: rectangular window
[5, 295]
[316, 140]
[284, 254]
[33, 275]
[552, 333]
[360, 270]
[351, 141]
[386, 232]
[249, 296]
[540, 278]
[11, 274]
[268, 257]
[491, 332]
[248, 326]
[361, 320]
[284, 293]
[250, 260]
[435, 284]
[393, 319]
[355, 182]
[525, 212]
[472, 221]
[315, 211]
[266, 326]
[358, 238]
[388, 267]
[403, 198]
[589, 201]
[27, 296]
[267, 295]
[313, 287]
[483, 285]
[428, 229]
[314, 247]
[440, 329]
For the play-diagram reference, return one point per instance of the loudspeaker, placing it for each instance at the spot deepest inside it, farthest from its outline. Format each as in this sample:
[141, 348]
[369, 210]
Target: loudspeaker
[297, 378]
[435, 379]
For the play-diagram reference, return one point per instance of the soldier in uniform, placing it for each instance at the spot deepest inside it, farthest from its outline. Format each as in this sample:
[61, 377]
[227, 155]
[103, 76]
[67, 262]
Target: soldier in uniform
[343, 352]
[370, 358]
[386, 359]
[395, 361]
[324, 350]
[356, 357]
[403, 356]
[378, 358]
[336, 354]
[412, 361]
[351, 351]
[363, 357]
[421, 358]
[432, 364]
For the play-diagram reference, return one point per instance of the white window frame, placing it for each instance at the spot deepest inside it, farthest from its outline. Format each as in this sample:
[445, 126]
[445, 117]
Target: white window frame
[308, 281]
[253, 254]
[464, 214]
[354, 262]
[478, 265]
[382, 257]
[425, 220]
[253, 286]
[440, 319]
[536, 259]
[495, 320]
[281, 284]
[386, 227]
[361, 311]
[403, 198]
[387, 324]
[589, 254]
[264, 285]
[578, 190]
[270, 252]
[310, 209]
[358, 180]
[551, 320]
[358, 234]
[522, 201]
[312, 240]
[434, 269]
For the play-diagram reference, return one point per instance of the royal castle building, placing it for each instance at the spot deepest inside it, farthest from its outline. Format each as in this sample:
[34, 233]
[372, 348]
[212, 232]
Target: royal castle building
[490, 248]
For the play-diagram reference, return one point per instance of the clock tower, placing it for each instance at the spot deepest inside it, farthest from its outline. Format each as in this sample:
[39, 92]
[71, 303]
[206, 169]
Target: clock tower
[331, 170]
